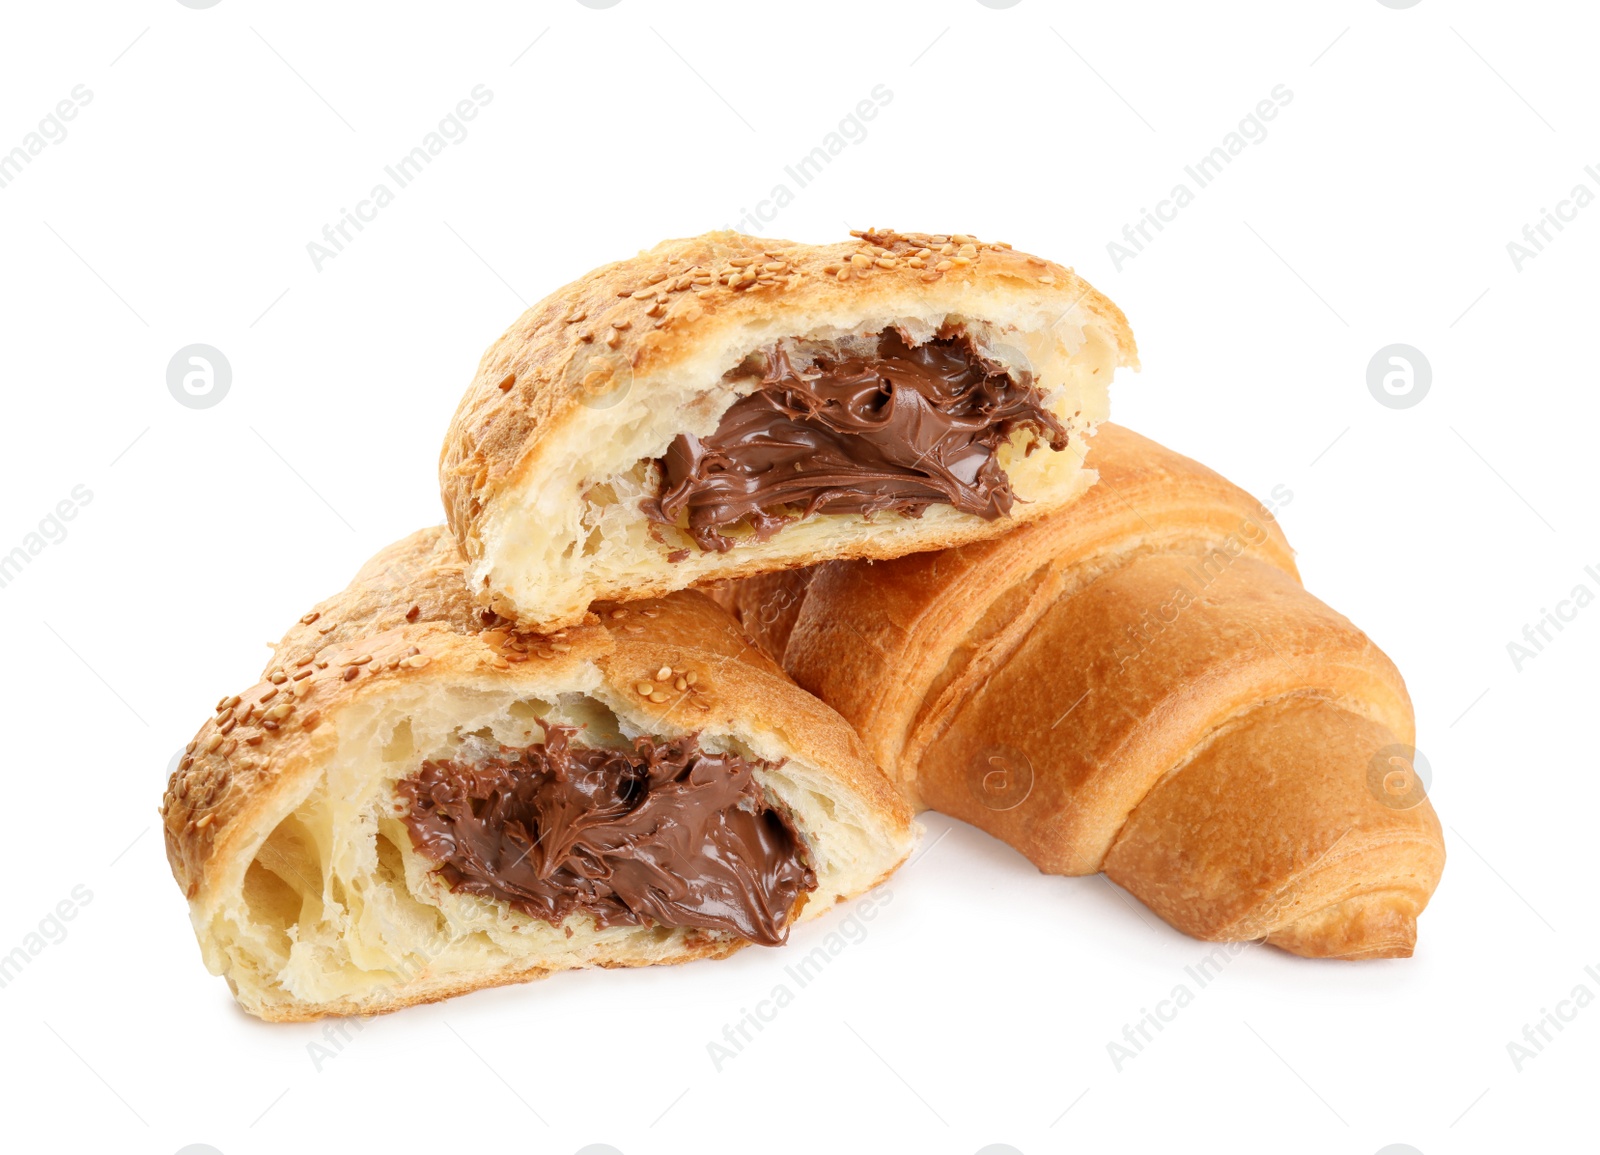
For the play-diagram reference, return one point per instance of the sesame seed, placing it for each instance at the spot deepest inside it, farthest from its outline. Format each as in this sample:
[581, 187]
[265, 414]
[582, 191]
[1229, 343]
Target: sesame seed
[644, 689]
[362, 660]
[309, 618]
[213, 743]
[278, 677]
[227, 727]
[510, 380]
[304, 661]
[691, 677]
[663, 673]
[302, 674]
[942, 266]
[186, 762]
[860, 260]
[203, 821]
[660, 697]
[272, 692]
[352, 673]
[680, 684]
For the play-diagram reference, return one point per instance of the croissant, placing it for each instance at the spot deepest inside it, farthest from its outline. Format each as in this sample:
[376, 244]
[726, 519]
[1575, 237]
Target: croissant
[418, 800]
[1137, 684]
[727, 405]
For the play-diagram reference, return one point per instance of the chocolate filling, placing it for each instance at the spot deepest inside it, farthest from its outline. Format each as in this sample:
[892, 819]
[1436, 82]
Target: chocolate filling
[666, 834]
[900, 429]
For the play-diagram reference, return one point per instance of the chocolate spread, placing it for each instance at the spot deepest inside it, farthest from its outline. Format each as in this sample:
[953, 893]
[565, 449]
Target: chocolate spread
[666, 834]
[898, 430]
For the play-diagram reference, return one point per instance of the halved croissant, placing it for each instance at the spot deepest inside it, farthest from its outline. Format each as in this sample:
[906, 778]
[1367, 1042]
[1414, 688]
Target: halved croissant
[417, 800]
[1137, 684]
[727, 405]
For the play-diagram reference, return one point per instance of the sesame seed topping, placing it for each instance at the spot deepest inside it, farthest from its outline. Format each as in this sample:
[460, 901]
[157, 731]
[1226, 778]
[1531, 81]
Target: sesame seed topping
[309, 618]
[508, 382]
[644, 689]
[272, 692]
[691, 677]
[352, 673]
[660, 697]
[663, 673]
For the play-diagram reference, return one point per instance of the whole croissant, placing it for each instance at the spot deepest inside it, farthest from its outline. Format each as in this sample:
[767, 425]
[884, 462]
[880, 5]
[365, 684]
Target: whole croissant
[1137, 684]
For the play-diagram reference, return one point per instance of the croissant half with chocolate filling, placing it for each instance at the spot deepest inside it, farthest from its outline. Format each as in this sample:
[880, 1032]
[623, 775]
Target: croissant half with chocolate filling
[1137, 684]
[418, 800]
[726, 405]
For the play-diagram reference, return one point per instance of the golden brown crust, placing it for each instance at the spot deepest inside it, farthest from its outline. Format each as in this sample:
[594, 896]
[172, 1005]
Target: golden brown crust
[407, 618]
[1137, 683]
[649, 312]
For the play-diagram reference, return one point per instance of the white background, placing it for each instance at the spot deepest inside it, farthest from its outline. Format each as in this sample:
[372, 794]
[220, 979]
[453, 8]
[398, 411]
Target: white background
[978, 1008]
